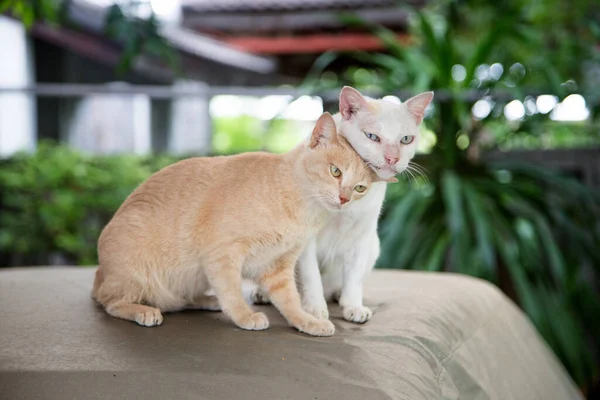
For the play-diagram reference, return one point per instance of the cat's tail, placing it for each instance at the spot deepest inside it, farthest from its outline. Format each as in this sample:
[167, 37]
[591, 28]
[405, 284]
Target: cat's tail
[98, 280]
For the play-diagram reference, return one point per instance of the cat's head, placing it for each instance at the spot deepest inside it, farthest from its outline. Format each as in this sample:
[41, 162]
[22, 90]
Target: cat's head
[336, 175]
[383, 133]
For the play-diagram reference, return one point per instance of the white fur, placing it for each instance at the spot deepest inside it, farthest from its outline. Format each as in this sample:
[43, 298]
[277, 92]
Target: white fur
[348, 246]
[335, 264]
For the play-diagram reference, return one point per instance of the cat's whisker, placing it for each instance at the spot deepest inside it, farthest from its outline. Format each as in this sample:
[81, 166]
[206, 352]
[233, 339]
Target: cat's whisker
[418, 175]
[414, 178]
[406, 174]
[422, 170]
[312, 196]
[417, 166]
[417, 169]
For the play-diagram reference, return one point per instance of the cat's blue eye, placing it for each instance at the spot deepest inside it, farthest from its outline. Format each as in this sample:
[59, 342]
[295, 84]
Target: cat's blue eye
[372, 136]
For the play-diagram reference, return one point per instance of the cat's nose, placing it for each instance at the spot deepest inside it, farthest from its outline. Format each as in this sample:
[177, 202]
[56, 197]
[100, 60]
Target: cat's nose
[344, 200]
[391, 160]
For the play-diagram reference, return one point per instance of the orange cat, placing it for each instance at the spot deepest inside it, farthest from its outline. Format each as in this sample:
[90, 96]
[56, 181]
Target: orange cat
[207, 222]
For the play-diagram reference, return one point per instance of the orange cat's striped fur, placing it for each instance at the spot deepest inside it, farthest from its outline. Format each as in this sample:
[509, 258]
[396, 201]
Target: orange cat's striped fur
[207, 222]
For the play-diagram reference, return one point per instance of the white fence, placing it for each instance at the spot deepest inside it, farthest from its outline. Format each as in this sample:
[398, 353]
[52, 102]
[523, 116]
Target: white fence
[115, 117]
[119, 117]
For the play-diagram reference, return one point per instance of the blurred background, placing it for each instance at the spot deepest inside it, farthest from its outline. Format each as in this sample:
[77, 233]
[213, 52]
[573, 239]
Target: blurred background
[95, 95]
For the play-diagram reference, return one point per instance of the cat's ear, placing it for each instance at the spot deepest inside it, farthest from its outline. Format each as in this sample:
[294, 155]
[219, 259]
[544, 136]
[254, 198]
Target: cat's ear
[324, 131]
[417, 105]
[351, 101]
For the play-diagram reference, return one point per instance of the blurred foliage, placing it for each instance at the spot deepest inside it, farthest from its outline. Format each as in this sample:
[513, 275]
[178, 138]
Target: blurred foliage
[497, 51]
[527, 229]
[544, 134]
[509, 220]
[138, 36]
[57, 200]
[232, 135]
[237, 134]
[31, 11]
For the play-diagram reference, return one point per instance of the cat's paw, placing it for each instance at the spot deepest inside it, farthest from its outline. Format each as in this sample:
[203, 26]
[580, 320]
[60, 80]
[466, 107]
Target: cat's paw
[316, 327]
[153, 317]
[316, 309]
[258, 296]
[357, 314]
[254, 322]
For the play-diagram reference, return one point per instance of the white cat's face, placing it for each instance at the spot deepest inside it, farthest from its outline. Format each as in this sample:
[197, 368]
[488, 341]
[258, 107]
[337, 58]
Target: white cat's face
[384, 134]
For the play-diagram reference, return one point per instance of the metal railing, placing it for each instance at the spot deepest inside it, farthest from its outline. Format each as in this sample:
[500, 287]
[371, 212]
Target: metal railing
[203, 90]
[566, 159]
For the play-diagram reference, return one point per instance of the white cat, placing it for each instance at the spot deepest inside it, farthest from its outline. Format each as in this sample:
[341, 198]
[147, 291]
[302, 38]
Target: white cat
[335, 263]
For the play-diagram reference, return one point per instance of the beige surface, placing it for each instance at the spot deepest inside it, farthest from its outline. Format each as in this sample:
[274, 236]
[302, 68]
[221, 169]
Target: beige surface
[433, 336]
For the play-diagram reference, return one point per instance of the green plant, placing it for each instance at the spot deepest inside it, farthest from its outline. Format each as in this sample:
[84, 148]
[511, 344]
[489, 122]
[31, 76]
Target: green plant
[242, 133]
[502, 220]
[529, 230]
[30, 11]
[57, 200]
[138, 36]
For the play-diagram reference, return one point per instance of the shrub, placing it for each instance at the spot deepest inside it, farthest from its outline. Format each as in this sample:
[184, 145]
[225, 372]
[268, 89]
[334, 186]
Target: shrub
[57, 200]
[531, 231]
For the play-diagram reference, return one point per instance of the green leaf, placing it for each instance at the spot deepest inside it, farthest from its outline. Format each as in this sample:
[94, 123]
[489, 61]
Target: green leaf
[28, 16]
[5, 5]
[509, 253]
[553, 78]
[451, 193]
[390, 40]
[393, 226]
[399, 248]
[318, 67]
[436, 257]
[485, 47]
[426, 246]
[430, 40]
[480, 219]
[522, 207]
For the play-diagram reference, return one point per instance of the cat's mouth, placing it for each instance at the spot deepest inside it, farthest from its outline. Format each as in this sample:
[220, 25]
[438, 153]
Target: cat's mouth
[385, 171]
[334, 206]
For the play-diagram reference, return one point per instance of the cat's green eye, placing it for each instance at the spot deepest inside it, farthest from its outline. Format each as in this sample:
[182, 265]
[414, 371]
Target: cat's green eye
[335, 171]
[407, 139]
[360, 188]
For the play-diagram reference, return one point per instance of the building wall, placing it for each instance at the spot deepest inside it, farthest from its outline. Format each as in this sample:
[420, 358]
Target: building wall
[71, 120]
[17, 110]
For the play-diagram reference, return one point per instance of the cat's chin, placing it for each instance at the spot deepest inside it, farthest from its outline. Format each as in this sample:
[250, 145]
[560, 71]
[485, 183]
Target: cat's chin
[398, 169]
[335, 207]
[385, 172]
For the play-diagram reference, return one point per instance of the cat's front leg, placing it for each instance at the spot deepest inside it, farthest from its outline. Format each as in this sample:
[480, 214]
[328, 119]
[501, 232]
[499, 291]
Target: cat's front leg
[278, 282]
[225, 277]
[357, 265]
[313, 299]
[310, 285]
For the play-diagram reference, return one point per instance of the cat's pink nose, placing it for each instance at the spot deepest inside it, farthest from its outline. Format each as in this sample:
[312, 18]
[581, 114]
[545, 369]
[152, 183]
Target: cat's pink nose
[344, 200]
[391, 160]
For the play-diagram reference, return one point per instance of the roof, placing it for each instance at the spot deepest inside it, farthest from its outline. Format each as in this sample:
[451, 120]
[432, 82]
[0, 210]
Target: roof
[91, 16]
[242, 17]
[280, 5]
